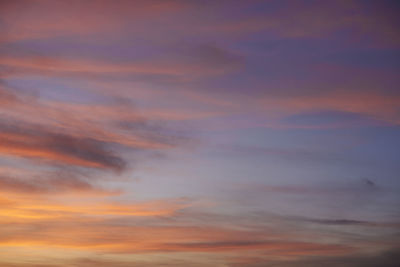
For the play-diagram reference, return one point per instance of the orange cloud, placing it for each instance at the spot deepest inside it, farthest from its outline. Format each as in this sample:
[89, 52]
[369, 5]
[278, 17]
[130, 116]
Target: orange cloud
[100, 236]
[22, 208]
[111, 227]
[152, 228]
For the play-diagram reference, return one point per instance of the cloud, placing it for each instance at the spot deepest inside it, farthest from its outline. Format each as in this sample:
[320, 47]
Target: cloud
[33, 209]
[330, 119]
[389, 258]
[6, 97]
[83, 135]
[272, 247]
[104, 261]
[180, 60]
[347, 222]
[323, 20]
[158, 228]
[336, 109]
[290, 154]
[51, 183]
[45, 144]
[333, 189]
[109, 237]
[24, 20]
[386, 258]
[101, 121]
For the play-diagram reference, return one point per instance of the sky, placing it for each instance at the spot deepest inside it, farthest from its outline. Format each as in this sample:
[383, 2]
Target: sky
[199, 133]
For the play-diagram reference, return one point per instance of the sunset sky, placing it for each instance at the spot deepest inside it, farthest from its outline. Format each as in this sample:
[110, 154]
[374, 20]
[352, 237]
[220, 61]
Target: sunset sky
[199, 133]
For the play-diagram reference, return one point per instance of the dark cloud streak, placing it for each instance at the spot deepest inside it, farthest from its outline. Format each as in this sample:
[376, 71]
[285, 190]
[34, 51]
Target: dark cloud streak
[33, 141]
[50, 183]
